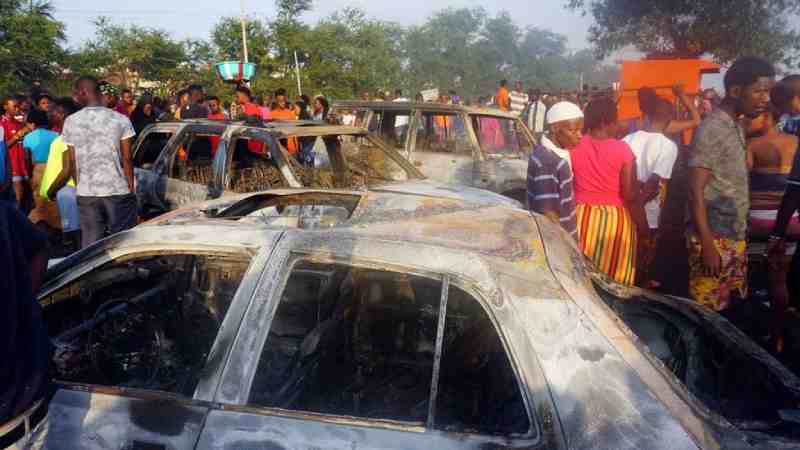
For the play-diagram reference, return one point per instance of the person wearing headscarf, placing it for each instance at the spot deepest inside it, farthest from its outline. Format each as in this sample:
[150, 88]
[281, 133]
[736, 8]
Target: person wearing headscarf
[143, 115]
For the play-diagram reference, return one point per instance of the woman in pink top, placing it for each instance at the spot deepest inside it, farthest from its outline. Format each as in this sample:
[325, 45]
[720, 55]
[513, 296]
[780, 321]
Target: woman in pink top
[609, 211]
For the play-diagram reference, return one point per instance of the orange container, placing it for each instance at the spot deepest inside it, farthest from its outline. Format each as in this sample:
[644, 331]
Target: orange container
[660, 74]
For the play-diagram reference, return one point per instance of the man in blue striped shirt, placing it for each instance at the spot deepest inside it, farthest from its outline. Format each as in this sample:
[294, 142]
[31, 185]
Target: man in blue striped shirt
[549, 172]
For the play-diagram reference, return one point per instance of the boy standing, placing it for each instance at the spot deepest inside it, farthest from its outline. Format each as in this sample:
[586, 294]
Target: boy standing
[719, 195]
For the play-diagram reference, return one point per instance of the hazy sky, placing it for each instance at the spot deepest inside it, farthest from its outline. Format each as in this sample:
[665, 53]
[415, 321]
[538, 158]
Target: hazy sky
[194, 18]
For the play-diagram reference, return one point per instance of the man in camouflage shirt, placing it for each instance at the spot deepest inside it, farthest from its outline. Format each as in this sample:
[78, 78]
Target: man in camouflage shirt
[98, 140]
[719, 197]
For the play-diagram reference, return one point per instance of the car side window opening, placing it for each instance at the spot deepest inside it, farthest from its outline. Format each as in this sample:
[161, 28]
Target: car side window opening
[361, 342]
[253, 168]
[729, 381]
[151, 147]
[194, 159]
[500, 136]
[442, 133]
[145, 323]
[392, 127]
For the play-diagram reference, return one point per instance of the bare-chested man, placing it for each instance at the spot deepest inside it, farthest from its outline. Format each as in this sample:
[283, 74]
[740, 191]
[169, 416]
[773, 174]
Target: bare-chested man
[770, 154]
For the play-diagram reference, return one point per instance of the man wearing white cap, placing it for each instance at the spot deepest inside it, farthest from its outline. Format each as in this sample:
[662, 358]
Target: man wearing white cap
[549, 172]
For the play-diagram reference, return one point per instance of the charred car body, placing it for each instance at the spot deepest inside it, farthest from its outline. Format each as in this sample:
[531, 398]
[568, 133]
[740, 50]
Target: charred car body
[389, 321]
[179, 163]
[479, 147]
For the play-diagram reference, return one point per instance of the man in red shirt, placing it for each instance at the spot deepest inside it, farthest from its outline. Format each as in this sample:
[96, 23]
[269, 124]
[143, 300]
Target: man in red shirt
[214, 113]
[249, 109]
[245, 100]
[13, 131]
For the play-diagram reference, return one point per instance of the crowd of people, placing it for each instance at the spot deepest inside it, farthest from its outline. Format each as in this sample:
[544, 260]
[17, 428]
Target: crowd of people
[66, 162]
[605, 180]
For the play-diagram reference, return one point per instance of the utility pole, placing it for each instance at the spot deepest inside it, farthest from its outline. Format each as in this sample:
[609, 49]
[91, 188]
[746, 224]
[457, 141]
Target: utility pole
[244, 33]
[297, 73]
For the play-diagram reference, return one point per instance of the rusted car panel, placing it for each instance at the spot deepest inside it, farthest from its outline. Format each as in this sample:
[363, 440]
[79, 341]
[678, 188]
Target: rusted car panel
[453, 144]
[585, 380]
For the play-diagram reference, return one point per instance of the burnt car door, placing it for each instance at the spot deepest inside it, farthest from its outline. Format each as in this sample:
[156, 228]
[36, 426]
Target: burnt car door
[442, 147]
[187, 175]
[342, 354]
[139, 340]
[149, 156]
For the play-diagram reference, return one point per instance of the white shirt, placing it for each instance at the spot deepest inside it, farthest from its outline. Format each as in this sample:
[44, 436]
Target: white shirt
[536, 117]
[400, 121]
[95, 133]
[655, 155]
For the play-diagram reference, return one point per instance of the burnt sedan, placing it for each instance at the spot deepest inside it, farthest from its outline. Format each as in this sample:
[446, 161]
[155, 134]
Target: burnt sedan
[296, 319]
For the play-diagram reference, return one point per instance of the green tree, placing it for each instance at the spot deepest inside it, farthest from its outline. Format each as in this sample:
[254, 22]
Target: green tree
[348, 53]
[29, 44]
[443, 52]
[291, 10]
[226, 40]
[725, 29]
[132, 55]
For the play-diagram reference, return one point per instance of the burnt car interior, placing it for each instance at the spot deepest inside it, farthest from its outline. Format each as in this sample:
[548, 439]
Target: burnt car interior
[730, 381]
[150, 149]
[442, 133]
[253, 168]
[360, 342]
[194, 159]
[308, 210]
[146, 323]
[500, 136]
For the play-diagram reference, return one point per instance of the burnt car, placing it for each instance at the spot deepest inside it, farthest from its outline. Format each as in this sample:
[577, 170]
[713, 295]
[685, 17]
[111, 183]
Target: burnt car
[479, 147]
[390, 321]
[179, 163]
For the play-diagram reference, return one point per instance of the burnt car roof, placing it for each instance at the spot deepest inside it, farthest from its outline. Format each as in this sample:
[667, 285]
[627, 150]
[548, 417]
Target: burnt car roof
[507, 235]
[288, 128]
[435, 107]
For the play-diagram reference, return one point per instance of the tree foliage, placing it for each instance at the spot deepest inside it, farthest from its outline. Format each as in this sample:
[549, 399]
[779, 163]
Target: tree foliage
[133, 54]
[470, 51]
[30, 44]
[342, 55]
[726, 29]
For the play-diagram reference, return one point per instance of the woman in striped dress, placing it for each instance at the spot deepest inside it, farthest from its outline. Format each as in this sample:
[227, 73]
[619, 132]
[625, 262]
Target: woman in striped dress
[609, 210]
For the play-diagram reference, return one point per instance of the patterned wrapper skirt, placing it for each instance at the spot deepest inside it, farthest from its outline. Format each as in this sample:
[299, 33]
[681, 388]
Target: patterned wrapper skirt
[607, 236]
